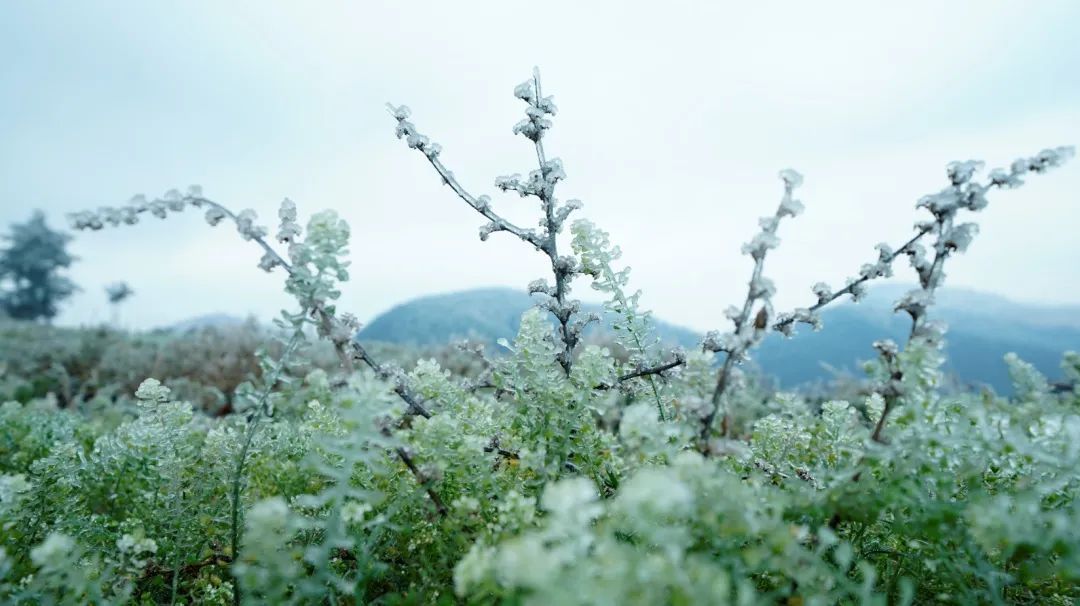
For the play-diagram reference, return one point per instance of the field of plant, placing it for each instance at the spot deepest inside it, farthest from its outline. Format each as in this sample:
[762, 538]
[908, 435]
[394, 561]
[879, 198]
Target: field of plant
[299, 465]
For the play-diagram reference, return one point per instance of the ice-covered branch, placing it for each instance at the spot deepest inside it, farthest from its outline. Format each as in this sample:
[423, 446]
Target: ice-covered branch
[963, 193]
[421, 479]
[482, 204]
[747, 334]
[856, 287]
[312, 266]
[651, 371]
[540, 184]
[892, 387]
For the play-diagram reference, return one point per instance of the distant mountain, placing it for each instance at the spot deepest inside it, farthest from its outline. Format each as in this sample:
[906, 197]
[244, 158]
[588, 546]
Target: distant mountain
[208, 321]
[982, 329]
[483, 314]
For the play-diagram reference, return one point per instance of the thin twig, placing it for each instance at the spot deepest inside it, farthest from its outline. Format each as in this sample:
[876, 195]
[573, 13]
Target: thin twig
[788, 319]
[645, 372]
[745, 335]
[420, 478]
[553, 219]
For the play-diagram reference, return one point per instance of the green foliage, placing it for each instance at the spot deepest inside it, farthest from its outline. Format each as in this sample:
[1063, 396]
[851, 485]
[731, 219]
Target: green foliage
[587, 497]
[556, 473]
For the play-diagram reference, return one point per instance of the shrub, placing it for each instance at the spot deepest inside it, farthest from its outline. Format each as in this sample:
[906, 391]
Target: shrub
[558, 472]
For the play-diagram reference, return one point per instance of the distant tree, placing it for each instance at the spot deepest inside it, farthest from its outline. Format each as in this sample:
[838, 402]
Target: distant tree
[31, 284]
[117, 292]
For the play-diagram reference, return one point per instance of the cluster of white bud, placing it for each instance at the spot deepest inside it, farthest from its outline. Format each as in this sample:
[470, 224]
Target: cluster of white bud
[246, 226]
[128, 214]
[289, 229]
[407, 130]
[915, 302]
[785, 321]
[541, 286]
[214, 215]
[747, 334]
[963, 193]
[959, 237]
[535, 123]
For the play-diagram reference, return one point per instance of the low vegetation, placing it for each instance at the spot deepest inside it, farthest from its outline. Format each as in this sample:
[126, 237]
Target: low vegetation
[307, 467]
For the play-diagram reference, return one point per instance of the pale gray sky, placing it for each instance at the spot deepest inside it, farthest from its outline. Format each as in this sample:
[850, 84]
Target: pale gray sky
[674, 120]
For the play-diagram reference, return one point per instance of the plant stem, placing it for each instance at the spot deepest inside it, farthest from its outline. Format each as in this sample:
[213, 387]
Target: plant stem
[256, 416]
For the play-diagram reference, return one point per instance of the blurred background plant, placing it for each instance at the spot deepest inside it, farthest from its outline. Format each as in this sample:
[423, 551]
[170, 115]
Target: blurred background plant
[117, 293]
[32, 263]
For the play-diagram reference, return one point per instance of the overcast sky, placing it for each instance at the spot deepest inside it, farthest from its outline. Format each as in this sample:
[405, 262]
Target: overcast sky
[674, 120]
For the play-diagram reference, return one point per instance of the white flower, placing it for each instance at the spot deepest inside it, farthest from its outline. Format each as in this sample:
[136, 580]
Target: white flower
[466, 504]
[130, 544]
[858, 289]
[762, 288]
[245, 224]
[887, 347]
[136, 550]
[837, 413]
[915, 302]
[885, 252]
[289, 230]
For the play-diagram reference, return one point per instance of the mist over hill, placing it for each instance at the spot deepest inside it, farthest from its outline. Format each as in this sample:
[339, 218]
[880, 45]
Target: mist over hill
[982, 329]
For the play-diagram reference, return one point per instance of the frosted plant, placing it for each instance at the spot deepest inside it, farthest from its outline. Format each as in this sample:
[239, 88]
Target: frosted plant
[314, 265]
[1028, 382]
[12, 486]
[748, 333]
[64, 574]
[593, 247]
[540, 184]
[950, 237]
[135, 551]
[963, 193]
[571, 477]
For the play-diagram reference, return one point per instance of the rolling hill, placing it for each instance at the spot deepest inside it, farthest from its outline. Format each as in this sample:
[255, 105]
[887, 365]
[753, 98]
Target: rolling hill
[982, 329]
